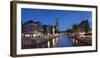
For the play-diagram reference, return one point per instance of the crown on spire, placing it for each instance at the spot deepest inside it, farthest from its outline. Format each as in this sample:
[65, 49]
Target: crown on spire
[56, 16]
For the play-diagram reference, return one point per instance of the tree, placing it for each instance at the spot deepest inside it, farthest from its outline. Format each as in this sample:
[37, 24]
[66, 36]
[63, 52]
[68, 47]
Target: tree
[51, 29]
[69, 30]
[86, 26]
[44, 29]
[76, 28]
[90, 30]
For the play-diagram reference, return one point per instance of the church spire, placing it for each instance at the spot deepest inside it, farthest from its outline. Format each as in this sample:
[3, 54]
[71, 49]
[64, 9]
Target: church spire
[56, 24]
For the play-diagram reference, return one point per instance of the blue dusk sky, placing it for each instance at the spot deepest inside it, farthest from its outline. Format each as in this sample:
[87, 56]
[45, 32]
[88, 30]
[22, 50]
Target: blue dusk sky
[66, 18]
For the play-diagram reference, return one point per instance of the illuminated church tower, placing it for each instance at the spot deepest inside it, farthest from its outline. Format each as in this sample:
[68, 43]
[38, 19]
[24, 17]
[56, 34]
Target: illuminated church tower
[56, 24]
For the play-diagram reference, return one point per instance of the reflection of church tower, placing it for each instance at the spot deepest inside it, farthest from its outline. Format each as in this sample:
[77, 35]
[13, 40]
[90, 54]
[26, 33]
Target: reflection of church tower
[56, 24]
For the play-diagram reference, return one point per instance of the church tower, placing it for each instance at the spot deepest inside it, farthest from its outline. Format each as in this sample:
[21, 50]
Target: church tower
[56, 24]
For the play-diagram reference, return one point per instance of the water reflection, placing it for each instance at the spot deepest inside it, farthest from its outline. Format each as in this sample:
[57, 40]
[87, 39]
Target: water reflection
[61, 41]
[64, 41]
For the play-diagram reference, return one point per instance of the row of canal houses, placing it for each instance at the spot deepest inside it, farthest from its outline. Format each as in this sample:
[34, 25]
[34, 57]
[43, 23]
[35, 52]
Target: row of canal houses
[32, 32]
[32, 28]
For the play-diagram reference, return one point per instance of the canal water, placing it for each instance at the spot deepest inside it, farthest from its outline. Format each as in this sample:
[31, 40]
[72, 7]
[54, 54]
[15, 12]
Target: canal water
[64, 41]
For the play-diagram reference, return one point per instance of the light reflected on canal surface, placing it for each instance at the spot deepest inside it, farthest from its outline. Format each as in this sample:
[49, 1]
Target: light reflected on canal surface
[60, 41]
[64, 41]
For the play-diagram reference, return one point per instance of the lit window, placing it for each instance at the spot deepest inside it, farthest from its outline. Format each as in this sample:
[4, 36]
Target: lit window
[34, 35]
[27, 35]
